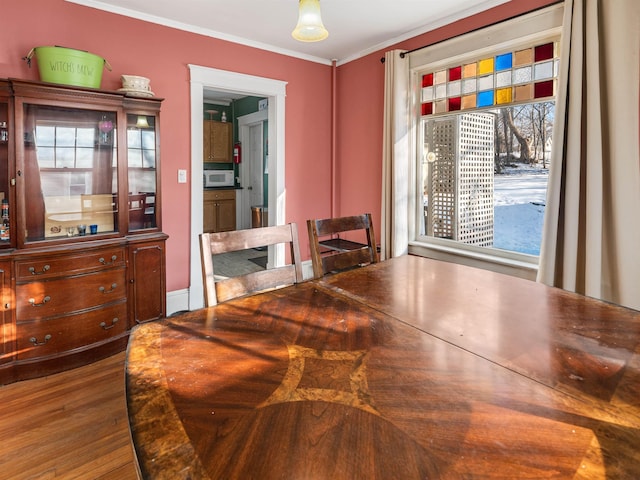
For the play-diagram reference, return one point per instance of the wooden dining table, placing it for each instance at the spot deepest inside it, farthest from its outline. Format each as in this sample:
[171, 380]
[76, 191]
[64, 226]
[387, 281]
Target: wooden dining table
[410, 368]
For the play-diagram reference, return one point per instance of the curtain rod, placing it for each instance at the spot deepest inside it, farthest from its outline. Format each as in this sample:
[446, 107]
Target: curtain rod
[407, 52]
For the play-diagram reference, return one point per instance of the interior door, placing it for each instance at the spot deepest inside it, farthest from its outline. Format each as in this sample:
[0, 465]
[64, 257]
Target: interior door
[251, 129]
[255, 164]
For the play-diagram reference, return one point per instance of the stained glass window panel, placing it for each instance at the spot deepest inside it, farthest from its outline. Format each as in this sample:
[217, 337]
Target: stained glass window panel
[504, 61]
[469, 70]
[454, 88]
[543, 89]
[503, 95]
[543, 52]
[523, 92]
[523, 57]
[440, 106]
[440, 77]
[522, 75]
[468, 101]
[485, 66]
[469, 85]
[485, 99]
[485, 83]
[543, 71]
[501, 79]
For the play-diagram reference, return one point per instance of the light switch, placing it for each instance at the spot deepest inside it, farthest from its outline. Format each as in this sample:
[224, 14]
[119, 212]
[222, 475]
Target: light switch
[182, 176]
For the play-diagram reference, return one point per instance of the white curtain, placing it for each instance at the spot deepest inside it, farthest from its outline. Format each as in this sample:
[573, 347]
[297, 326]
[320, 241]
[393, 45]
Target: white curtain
[394, 231]
[592, 221]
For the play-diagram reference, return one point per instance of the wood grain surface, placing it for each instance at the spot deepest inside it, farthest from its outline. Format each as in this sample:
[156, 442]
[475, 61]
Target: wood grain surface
[408, 368]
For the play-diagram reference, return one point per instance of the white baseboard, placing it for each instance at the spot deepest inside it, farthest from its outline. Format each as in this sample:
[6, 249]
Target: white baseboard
[177, 300]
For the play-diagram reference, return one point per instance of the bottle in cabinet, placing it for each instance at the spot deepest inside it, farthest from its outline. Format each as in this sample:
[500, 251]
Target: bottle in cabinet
[4, 222]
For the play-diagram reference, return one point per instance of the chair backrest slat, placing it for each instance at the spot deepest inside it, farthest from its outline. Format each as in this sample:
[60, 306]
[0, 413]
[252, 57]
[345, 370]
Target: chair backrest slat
[344, 260]
[225, 242]
[252, 282]
[327, 259]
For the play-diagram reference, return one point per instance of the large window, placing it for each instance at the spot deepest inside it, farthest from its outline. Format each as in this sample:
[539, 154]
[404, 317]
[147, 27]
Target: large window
[484, 176]
[484, 134]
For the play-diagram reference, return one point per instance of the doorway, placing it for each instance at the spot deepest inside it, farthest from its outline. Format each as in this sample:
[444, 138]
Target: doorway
[209, 78]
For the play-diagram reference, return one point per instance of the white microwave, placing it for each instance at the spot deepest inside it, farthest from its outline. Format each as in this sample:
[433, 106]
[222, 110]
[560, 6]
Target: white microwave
[218, 178]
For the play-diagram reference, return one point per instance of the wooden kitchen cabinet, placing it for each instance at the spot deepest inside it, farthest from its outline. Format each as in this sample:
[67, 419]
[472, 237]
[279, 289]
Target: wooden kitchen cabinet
[219, 211]
[83, 259]
[147, 281]
[217, 142]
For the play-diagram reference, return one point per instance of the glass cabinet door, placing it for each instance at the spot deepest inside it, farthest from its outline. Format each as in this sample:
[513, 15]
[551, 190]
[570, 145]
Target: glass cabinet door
[70, 172]
[142, 158]
[5, 231]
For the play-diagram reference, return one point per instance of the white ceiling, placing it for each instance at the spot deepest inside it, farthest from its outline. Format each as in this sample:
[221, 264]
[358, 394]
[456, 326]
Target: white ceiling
[356, 27]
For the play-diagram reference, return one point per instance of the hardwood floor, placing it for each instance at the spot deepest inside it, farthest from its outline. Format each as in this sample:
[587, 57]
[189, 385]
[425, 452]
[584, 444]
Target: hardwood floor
[72, 425]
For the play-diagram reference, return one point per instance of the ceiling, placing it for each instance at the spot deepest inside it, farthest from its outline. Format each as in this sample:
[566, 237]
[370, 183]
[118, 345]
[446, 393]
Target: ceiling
[356, 27]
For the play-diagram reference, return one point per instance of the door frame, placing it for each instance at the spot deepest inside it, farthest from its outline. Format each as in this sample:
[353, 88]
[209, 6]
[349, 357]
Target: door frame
[202, 78]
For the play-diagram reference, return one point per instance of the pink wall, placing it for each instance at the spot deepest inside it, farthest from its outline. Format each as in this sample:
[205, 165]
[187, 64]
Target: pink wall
[162, 54]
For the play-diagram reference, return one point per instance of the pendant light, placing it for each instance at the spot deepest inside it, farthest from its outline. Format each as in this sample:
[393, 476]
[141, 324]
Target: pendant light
[309, 27]
[141, 122]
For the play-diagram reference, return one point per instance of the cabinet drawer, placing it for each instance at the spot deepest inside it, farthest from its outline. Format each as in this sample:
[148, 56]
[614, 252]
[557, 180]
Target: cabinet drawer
[65, 295]
[28, 270]
[219, 194]
[47, 337]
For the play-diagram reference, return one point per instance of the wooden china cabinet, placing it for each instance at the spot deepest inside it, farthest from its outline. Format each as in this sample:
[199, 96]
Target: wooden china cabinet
[82, 253]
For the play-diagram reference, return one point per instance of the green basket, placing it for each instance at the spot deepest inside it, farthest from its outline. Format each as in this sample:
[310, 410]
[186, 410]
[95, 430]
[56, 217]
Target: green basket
[66, 66]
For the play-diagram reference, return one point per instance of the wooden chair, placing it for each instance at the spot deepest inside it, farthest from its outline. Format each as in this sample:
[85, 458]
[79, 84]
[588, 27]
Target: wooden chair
[224, 242]
[335, 253]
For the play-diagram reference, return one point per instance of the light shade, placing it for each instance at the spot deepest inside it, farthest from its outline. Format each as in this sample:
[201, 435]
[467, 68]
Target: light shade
[141, 122]
[310, 27]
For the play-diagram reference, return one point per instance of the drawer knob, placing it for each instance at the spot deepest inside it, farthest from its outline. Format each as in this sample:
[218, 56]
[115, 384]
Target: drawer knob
[104, 262]
[104, 290]
[107, 327]
[45, 269]
[33, 303]
[36, 343]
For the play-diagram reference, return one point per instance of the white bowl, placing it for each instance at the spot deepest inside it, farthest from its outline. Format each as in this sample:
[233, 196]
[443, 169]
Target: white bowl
[134, 82]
